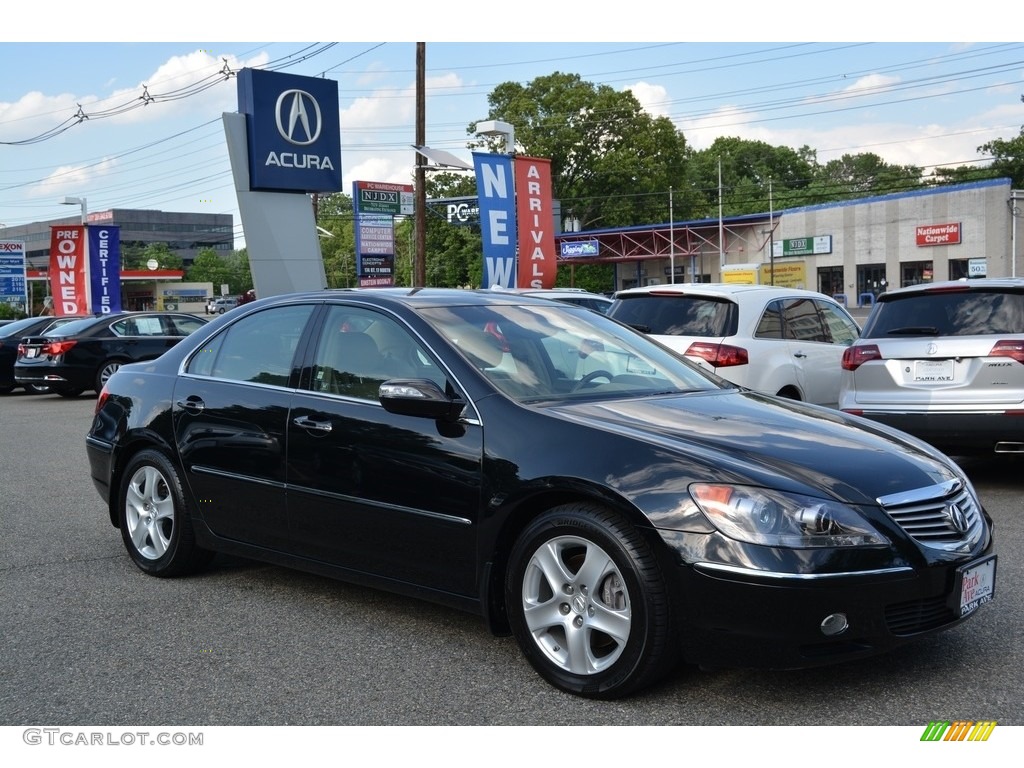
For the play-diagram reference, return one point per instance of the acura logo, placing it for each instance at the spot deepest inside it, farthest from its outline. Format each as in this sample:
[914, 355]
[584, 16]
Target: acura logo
[298, 117]
[932, 349]
[957, 517]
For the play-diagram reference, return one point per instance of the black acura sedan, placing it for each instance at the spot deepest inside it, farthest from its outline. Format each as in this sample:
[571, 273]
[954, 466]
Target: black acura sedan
[579, 486]
[81, 355]
[11, 335]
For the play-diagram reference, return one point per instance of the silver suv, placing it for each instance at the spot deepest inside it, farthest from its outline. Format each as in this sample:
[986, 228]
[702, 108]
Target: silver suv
[944, 362]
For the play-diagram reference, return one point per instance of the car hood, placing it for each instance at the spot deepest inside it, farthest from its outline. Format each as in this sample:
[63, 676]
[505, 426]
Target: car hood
[750, 438]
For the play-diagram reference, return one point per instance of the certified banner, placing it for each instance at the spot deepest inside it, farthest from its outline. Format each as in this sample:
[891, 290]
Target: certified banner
[535, 214]
[496, 191]
[104, 269]
[69, 270]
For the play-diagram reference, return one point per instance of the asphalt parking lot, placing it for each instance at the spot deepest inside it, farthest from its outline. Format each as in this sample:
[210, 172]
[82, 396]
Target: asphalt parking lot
[89, 640]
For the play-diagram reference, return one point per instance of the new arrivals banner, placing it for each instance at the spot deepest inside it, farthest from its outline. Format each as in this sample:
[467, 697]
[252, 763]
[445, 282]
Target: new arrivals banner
[495, 187]
[537, 258]
[104, 269]
[68, 270]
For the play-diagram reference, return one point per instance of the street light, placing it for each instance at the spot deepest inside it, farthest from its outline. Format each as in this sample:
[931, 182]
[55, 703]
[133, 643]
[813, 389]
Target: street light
[499, 128]
[78, 201]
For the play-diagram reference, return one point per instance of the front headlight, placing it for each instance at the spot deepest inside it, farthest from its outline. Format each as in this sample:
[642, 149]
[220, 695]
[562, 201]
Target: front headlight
[762, 516]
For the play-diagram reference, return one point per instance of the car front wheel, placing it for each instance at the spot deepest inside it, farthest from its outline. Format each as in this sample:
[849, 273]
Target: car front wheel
[588, 604]
[154, 518]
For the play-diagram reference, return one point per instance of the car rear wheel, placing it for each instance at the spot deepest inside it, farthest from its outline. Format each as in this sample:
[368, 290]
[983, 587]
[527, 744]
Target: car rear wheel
[105, 372]
[154, 518]
[68, 392]
[588, 604]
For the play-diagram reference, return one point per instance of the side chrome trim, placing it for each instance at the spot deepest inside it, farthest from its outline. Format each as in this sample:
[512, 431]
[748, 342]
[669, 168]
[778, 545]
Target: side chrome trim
[737, 570]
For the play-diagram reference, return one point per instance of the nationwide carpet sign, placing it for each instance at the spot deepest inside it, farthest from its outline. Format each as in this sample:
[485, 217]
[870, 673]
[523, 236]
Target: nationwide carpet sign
[85, 269]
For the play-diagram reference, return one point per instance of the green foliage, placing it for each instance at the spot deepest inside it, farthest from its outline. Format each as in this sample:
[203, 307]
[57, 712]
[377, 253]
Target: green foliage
[8, 312]
[232, 269]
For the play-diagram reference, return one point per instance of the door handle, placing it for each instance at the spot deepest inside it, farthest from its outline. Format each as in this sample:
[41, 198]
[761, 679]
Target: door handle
[307, 423]
[191, 404]
[799, 354]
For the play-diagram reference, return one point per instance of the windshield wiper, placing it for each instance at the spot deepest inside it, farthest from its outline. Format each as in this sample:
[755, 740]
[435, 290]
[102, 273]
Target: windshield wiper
[914, 330]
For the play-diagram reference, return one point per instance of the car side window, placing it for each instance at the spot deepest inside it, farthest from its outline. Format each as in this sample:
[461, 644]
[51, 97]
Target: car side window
[770, 325]
[183, 325]
[138, 326]
[259, 348]
[802, 322]
[359, 349]
[841, 328]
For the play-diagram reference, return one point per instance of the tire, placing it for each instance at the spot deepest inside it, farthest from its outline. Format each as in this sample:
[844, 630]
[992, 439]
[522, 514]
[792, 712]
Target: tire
[104, 372]
[5, 390]
[68, 392]
[588, 604]
[155, 521]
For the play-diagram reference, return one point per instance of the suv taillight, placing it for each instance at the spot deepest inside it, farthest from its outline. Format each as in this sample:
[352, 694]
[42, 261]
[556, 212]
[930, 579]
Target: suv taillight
[719, 355]
[1008, 348]
[854, 357]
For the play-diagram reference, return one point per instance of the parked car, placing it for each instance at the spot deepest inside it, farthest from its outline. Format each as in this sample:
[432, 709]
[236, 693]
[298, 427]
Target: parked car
[218, 305]
[82, 355]
[10, 335]
[248, 296]
[568, 479]
[944, 362]
[578, 296]
[780, 341]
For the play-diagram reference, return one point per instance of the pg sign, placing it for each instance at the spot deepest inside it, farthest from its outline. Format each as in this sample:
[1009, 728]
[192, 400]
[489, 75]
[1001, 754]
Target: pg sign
[294, 131]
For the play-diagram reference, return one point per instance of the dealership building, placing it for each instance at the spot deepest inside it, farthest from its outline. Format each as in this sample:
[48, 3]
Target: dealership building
[853, 250]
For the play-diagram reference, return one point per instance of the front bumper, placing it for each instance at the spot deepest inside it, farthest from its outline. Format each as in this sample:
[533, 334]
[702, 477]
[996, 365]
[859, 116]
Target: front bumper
[737, 616]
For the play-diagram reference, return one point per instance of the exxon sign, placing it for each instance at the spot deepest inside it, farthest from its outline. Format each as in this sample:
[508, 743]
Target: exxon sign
[294, 131]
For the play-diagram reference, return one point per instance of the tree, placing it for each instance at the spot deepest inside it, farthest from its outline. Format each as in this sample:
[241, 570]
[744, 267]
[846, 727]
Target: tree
[336, 215]
[755, 176]
[232, 270]
[612, 163]
[1007, 158]
[853, 176]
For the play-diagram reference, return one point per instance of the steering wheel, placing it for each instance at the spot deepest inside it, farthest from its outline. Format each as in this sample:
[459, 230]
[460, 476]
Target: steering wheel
[590, 377]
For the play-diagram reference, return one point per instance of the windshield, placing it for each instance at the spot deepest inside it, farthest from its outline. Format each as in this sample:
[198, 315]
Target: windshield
[534, 353]
[948, 313]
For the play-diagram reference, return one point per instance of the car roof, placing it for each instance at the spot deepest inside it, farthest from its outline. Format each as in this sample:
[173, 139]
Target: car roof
[973, 284]
[725, 290]
[414, 298]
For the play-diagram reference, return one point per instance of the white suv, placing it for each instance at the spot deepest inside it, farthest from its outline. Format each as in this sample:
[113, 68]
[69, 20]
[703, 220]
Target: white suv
[780, 341]
[944, 362]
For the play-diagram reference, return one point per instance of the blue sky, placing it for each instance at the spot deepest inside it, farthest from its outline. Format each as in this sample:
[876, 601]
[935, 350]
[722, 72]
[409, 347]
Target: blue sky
[921, 103]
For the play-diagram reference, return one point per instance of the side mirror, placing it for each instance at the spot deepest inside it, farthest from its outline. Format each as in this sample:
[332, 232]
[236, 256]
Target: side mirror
[419, 397]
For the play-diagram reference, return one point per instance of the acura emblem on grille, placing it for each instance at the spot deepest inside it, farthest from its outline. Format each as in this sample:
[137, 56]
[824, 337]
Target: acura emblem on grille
[957, 517]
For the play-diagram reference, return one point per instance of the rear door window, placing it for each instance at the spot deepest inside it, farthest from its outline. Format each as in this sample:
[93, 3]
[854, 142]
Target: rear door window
[677, 315]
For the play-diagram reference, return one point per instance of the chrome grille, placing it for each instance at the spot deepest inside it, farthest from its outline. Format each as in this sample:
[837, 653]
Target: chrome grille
[944, 516]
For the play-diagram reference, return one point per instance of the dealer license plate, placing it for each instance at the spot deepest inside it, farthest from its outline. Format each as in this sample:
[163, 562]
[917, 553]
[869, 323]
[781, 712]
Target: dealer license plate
[976, 584]
[933, 371]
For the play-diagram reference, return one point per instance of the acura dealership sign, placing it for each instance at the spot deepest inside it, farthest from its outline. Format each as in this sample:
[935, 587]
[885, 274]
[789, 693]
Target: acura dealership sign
[294, 131]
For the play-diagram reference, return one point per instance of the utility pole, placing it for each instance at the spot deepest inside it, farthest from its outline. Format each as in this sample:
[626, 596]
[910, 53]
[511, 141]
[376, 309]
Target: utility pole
[419, 276]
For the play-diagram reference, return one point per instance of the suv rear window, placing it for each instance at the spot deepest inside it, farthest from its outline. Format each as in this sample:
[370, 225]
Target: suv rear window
[676, 314]
[952, 313]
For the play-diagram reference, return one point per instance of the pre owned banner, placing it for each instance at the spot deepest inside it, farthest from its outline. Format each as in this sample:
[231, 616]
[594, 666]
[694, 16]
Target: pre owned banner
[104, 269]
[68, 270]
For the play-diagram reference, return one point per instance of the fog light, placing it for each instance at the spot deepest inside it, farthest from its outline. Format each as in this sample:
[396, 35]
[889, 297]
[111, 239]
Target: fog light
[834, 624]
